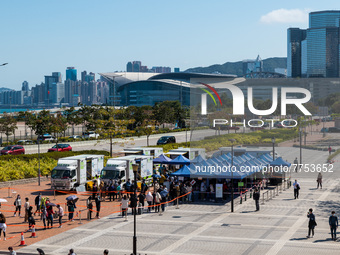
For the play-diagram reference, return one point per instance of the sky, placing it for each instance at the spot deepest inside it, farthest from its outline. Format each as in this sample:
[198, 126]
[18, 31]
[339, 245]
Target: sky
[40, 37]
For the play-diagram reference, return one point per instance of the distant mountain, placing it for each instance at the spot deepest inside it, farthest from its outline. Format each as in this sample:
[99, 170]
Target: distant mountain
[236, 68]
[5, 89]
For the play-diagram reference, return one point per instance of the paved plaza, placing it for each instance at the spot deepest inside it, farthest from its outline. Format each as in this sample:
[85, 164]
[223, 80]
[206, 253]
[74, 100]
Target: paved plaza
[280, 227]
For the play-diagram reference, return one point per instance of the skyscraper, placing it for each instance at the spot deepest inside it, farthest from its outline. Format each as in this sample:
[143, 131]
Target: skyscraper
[49, 80]
[314, 52]
[71, 74]
[25, 86]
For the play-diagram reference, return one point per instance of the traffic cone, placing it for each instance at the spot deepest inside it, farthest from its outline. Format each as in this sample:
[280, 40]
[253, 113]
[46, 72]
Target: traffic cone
[33, 232]
[22, 243]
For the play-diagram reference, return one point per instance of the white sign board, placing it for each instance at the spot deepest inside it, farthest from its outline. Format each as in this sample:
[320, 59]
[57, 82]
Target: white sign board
[219, 190]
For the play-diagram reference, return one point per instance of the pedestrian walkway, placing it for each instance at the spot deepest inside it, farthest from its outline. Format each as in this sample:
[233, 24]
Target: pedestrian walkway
[280, 227]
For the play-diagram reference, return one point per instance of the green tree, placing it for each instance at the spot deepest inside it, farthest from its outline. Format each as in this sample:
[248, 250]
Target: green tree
[8, 124]
[72, 117]
[110, 127]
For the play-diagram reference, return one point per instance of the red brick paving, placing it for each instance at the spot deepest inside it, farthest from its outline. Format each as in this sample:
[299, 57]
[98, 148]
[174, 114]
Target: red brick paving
[15, 225]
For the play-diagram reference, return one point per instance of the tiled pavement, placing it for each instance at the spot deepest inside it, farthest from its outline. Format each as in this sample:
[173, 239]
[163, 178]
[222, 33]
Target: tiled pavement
[280, 227]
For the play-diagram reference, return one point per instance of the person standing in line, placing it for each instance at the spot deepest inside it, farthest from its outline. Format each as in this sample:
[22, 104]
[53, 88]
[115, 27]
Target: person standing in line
[296, 189]
[44, 215]
[256, 197]
[37, 203]
[189, 190]
[158, 200]
[333, 224]
[125, 205]
[311, 223]
[98, 202]
[296, 163]
[203, 190]
[26, 207]
[49, 211]
[17, 204]
[60, 215]
[319, 180]
[149, 199]
[71, 206]
[111, 190]
[3, 225]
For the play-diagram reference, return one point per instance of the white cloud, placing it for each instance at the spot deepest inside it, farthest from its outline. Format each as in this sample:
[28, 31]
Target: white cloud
[286, 16]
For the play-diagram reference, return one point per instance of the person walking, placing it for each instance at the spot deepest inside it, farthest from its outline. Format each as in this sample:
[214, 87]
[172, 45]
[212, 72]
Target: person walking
[296, 163]
[37, 202]
[256, 197]
[26, 207]
[319, 180]
[31, 220]
[71, 252]
[329, 150]
[125, 205]
[333, 224]
[98, 202]
[106, 252]
[60, 215]
[17, 204]
[311, 223]
[3, 225]
[296, 189]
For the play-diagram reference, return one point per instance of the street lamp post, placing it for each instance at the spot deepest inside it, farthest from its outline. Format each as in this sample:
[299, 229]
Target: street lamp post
[232, 174]
[135, 171]
[300, 135]
[273, 141]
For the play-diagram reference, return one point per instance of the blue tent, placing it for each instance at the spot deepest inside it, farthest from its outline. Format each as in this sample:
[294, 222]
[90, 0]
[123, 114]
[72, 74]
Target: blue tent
[197, 159]
[162, 159]
[184, 172]
[280, 162]
[180, 160]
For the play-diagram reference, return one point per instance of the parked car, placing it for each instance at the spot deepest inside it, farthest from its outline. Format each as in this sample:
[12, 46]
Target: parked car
[23, 142]
[324, 130]
[227, 127]
[13, 150]
[60, 147]
[166, 140]
[256, 128]
[75, 137]
[90, 134]
[334, 130]
[46, 137]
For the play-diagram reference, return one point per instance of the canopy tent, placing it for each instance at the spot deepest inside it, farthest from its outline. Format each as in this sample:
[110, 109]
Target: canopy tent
[266, 157]
[198, 159]
[162, 159]
[280, 162]
[180, 160]
[184, 172]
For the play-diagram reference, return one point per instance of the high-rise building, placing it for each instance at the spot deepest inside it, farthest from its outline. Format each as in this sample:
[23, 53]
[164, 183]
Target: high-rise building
[161, 69]
[25, 86]
[49, 80]
[176, 70]
[129, 67]
[57, 93]
[71, 74]
[83, 75]
[314, 52]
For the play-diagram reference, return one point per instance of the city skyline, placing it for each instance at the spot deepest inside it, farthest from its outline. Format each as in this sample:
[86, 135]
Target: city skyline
[104, 37]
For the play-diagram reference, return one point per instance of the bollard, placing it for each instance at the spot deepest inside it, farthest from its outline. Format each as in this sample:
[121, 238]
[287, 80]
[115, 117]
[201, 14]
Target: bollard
[250, 195]
[80, 217]
[267, 195]
[240, 198]
[121, 210]
[245, 197]
[9, 188]
[177, 204]
[54, 194]
[263, 199]
[277, 190]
